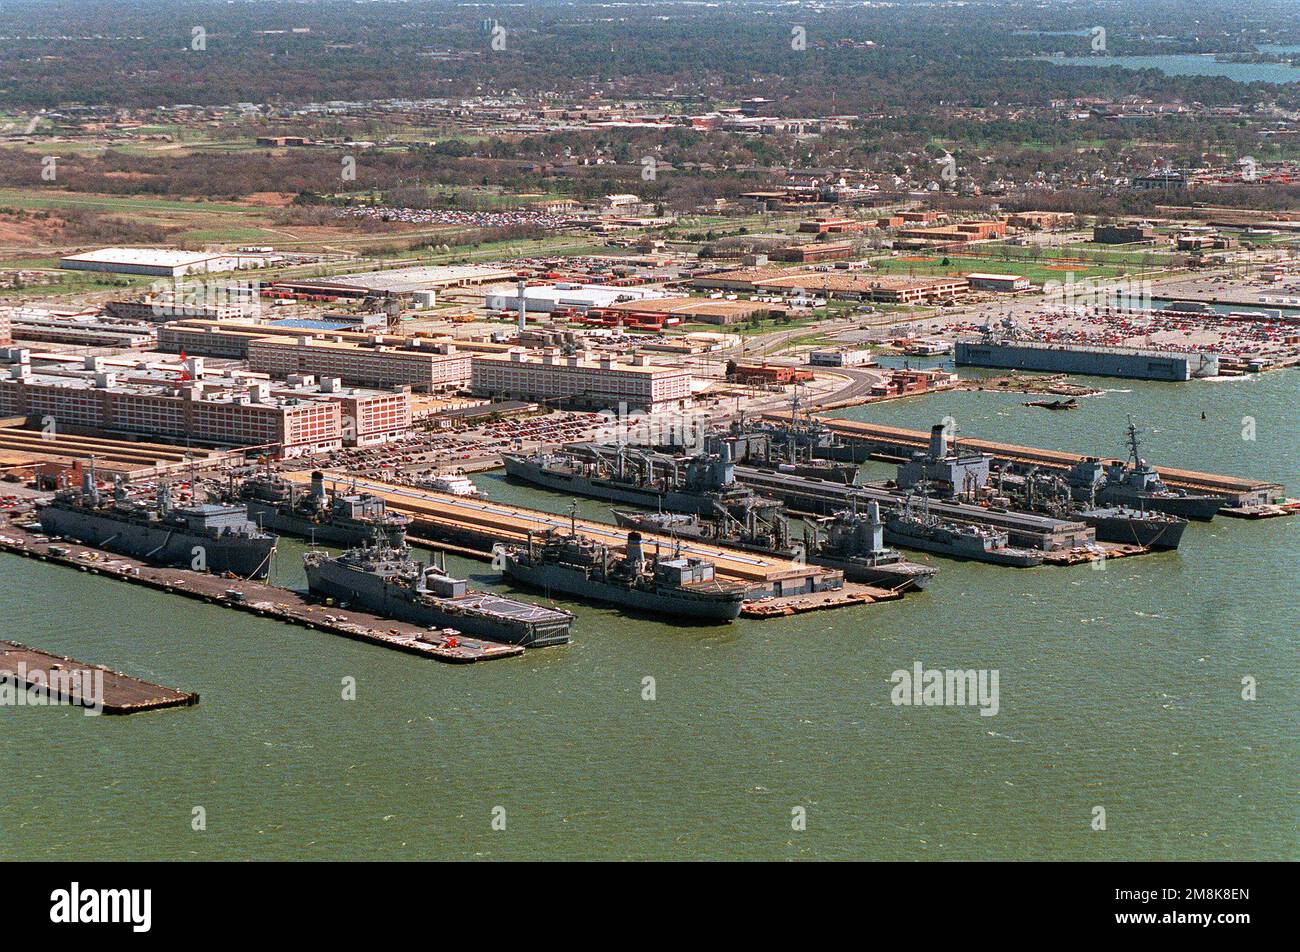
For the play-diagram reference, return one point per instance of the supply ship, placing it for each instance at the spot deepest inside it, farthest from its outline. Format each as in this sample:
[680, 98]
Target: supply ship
[855, 545]
[1136, 484]
[676, 586]
[202, 536]
[318, 514]
[914, 528]
[383, 578]
[624, 475]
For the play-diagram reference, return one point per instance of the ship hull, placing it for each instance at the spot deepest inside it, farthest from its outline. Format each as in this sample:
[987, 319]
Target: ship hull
[903, 576]
[1008, 557]
[1200, 508]
[557, 578]
[1144, 532]
[375, 594]
[164, 545]
[270, 517]
[670, 501]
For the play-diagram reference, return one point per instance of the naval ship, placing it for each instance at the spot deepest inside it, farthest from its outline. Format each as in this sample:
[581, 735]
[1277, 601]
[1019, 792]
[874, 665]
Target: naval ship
[383, 578]
[1137, 485]
[1051, 494]
[676, 586]
[752, 532]
[624, 475]
[855, 545]
[318, 514]
[202, 536]
[914, 528]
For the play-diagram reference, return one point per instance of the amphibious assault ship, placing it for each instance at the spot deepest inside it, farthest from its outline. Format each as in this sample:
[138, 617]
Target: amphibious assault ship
[855, 545]
[621, 474]
[1137, 484]
[201, 536]
[913, 527]
[383, 578]
[568, 562]
[318, 514]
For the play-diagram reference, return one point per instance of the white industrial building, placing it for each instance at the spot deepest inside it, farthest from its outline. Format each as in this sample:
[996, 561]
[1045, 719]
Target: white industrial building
[841, 358]
[162, 262]
[543, 299]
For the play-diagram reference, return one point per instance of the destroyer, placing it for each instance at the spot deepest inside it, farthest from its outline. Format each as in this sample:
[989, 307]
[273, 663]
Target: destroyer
[217, 538]
[383, 578]
[1050, 493]
[915, 528]
[1137, 485]
[567, 562]
[321, 515]
[855, 545]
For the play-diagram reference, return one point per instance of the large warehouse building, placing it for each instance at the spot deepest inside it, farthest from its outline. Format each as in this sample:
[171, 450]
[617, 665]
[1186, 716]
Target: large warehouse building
[161, 262]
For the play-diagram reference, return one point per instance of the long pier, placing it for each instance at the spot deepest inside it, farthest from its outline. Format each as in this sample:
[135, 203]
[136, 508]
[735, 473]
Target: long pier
[480, 523]
[898, 443]
[57, 679]
[257, 598]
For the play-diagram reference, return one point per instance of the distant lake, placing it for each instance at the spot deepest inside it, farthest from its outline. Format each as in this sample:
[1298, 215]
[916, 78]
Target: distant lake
[1194, 64]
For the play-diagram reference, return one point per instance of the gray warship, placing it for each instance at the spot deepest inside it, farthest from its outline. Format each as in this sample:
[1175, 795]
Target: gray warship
[913, 527]
[621, 474]
[675, 586]
[855, 545]
[751, 532]
[383, 578]
[1136, 484]
[1050, 493]
[320, 514]
[202, 536]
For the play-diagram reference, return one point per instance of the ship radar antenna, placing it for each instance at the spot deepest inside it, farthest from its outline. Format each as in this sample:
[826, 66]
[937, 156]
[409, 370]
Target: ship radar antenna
[1133, 442]
[573, 516]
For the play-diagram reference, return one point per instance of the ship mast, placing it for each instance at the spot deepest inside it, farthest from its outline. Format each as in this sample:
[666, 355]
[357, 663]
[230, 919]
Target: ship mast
[1133, 433]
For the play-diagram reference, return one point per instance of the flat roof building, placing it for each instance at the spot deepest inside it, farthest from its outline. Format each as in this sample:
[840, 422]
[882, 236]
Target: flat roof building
[225, 411]
[980, 281]
[160, 262]
[871, 286]
[577, 381]
[397, 281]
[424, 365]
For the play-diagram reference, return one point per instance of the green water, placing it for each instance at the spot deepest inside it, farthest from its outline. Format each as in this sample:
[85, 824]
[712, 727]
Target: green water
[1118, 688]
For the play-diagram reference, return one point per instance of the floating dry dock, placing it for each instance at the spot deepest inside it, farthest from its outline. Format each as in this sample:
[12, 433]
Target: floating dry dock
[118, 693]
[259, 599]
[1246, 497]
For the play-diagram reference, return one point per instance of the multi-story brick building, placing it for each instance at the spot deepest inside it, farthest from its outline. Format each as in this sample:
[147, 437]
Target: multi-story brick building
[426, 366]
[368, 416]
[224, 411]
[577, 381]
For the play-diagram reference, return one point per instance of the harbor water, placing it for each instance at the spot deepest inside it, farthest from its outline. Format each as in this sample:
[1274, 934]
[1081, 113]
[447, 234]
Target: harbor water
[1119, 688]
